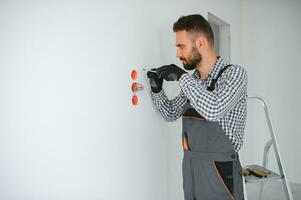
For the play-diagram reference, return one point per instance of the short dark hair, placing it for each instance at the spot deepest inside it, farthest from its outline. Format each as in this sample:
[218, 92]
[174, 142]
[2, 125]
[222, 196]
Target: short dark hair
[195, 24]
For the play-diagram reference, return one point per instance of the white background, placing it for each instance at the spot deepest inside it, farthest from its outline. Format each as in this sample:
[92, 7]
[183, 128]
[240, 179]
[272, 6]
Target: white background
[67, 126]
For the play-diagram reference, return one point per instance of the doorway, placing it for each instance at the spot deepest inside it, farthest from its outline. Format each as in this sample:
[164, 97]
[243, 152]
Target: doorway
[222, 36]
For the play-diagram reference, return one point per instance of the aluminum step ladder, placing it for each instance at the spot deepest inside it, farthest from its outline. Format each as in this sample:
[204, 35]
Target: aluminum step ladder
[272, 176]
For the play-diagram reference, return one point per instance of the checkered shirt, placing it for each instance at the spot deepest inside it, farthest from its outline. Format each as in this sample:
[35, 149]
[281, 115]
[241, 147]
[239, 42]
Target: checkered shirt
[226, 104]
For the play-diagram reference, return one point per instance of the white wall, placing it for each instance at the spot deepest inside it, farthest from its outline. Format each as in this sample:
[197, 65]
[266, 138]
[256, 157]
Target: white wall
[271, 52]
[67, 126]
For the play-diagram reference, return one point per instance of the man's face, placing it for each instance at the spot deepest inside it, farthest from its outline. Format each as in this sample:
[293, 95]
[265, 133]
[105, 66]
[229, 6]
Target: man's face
[187, 51]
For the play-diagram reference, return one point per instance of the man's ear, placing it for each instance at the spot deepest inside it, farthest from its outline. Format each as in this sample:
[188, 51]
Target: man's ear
[200, 43]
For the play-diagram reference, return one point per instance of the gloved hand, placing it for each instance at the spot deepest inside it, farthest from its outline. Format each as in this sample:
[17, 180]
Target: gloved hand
[170, 72]
[155, 82]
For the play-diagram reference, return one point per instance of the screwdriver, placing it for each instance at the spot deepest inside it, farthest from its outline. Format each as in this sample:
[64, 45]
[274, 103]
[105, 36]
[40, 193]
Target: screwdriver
[259, 172]
[149, 70]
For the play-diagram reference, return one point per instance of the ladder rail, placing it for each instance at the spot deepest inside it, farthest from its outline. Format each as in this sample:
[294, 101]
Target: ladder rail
[273, 142]
[267, 148]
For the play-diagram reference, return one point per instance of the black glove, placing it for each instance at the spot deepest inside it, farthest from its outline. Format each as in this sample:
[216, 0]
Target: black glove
[155, 82]
[170, 72]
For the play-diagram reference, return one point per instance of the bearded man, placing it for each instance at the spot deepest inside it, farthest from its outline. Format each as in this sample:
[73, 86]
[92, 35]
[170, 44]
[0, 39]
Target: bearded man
[213, 106]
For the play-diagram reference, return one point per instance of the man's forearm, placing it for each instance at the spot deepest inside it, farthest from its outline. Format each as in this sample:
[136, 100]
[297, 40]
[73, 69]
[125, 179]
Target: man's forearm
[171, 110]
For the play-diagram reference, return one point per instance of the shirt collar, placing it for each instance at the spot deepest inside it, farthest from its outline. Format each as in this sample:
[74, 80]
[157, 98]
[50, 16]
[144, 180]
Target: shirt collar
[213, 72]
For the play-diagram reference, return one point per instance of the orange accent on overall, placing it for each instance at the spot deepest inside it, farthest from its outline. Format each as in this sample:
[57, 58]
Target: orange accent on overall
[221, 179]
[185, 145]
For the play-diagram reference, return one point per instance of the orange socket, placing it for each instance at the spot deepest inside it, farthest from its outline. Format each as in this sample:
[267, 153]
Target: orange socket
[134, 100]
[136, 87]
[134, 74]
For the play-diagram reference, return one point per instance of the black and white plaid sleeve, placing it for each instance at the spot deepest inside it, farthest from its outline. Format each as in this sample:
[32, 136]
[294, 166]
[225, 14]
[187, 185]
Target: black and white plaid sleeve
[171, 110]
[213, 105]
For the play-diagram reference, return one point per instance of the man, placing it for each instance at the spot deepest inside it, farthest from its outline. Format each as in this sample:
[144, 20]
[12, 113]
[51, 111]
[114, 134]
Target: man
[213, 106]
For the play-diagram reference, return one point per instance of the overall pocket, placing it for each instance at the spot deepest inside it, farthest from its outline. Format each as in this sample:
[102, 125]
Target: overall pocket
[224, 172]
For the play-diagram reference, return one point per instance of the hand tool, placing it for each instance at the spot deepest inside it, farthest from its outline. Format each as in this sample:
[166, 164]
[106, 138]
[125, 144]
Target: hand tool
[149, 70]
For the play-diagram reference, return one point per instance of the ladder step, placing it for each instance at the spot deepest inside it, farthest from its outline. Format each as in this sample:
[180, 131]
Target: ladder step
[271, 176]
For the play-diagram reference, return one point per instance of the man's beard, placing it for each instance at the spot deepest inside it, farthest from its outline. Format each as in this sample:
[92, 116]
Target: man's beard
[193, 61]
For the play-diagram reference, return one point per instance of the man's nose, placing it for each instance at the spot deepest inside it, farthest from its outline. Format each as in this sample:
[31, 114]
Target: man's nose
[179, 54]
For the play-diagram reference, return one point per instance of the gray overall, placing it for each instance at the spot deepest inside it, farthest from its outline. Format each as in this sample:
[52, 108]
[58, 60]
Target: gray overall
[211, 167]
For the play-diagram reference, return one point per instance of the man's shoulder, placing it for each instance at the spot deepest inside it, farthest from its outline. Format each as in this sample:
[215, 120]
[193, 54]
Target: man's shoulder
[235, 70]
